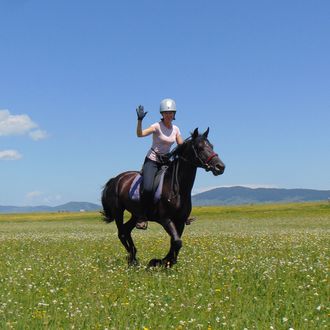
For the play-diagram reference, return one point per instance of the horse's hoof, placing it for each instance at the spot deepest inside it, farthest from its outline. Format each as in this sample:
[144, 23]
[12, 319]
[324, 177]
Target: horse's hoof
[155, 263]
[167, 264]
[190, 220]
[132, 262]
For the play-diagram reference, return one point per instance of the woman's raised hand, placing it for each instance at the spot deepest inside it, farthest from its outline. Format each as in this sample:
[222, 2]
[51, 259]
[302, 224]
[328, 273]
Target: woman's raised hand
[140, 112]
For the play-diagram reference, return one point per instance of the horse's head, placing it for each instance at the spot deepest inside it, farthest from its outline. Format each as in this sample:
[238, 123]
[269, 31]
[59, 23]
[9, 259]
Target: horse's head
[199, 151]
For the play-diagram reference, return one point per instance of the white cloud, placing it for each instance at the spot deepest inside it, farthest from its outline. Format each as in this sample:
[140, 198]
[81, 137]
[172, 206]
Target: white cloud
[19, 125]
[38, 135]
[38, 197]
[33, 194]
[54, 199]
[10, 155]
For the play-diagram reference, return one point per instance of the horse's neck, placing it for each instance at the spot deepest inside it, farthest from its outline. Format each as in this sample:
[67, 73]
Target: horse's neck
[186, 177]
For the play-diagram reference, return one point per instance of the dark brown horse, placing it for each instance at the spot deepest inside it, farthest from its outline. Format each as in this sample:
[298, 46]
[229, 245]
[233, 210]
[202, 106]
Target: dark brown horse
[174, 206]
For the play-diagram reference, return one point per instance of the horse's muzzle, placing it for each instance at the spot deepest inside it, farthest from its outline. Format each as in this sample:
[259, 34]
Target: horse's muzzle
[218, 169]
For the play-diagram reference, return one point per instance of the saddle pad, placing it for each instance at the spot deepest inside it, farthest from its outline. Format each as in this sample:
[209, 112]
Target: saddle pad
[134, 191]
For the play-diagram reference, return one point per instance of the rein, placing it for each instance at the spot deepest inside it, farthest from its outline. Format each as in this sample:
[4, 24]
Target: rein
[174, 192]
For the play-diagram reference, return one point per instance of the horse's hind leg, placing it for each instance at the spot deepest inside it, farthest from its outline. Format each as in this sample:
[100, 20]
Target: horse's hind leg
[124, 234]
[121, 229]
[128, 227]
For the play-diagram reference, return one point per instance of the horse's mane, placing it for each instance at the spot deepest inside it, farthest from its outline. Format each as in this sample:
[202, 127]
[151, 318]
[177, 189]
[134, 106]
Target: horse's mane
[178, 150]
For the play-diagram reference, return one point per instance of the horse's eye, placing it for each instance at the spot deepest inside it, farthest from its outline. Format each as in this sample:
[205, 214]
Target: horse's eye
[206, 145]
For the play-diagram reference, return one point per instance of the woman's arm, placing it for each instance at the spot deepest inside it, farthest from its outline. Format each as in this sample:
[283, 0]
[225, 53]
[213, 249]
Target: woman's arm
[143, 132]
[141, 114]
[179, 139]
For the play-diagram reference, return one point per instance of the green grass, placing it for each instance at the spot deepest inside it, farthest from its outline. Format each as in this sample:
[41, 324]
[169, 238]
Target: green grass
[253, 267]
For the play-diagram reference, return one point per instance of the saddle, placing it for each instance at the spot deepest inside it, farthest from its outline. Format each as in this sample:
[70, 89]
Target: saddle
[136, 187]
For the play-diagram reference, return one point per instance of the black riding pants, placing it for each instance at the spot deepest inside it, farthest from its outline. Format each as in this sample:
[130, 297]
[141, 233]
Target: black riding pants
[149, 170]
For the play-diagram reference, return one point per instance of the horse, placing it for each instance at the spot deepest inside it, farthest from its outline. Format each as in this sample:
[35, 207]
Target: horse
[173, 208]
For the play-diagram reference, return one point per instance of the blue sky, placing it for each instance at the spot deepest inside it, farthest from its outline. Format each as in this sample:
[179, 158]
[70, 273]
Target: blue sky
[72, 72]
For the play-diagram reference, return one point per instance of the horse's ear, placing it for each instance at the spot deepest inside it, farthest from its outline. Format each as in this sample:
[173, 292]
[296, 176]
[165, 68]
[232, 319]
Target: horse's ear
[206, 133]
[195, 133]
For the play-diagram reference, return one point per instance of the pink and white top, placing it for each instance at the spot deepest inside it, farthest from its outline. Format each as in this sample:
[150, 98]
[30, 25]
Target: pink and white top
[162, 139]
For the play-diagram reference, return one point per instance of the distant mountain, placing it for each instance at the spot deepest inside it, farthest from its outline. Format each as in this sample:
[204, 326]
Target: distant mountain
[218, 196]
[68, 207]
[243, 195]
[78, 206]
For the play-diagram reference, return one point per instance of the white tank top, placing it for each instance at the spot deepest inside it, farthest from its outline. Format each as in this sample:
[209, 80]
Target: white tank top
[162, 139]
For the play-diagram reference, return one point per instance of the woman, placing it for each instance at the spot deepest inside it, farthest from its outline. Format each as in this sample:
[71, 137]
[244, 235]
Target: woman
[164, 134]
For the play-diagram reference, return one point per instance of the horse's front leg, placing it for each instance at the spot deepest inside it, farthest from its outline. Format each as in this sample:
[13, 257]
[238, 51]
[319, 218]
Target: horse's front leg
[176, 243]
[175, 246]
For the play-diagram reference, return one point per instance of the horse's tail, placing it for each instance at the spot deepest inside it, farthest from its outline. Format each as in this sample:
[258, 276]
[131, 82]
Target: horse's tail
[109, 197]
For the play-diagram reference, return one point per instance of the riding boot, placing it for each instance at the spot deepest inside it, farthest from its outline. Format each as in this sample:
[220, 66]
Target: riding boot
[142, 222]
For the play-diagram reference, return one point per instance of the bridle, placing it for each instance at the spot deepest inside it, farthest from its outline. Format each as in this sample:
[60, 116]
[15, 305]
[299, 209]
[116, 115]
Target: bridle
[204, 164]
[201, 162]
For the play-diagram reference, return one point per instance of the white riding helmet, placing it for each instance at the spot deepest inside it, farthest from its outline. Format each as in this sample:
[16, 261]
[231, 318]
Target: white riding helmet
[167, 105]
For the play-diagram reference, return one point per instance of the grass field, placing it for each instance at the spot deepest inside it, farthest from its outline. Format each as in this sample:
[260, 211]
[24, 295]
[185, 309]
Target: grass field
[251, 267]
